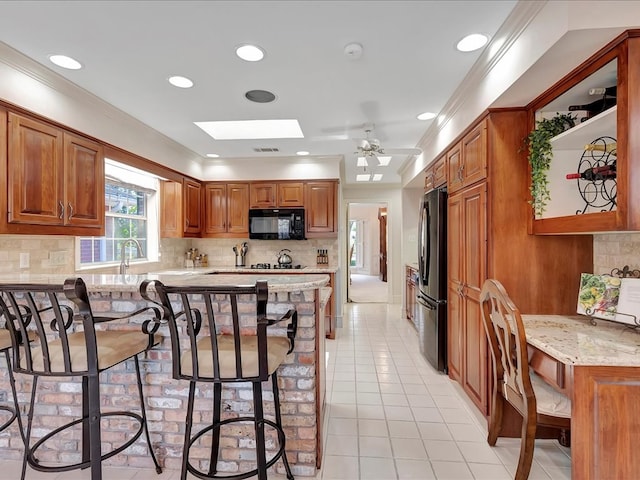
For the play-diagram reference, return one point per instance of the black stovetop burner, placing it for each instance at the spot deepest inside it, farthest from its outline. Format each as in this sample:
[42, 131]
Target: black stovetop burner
[275, 266]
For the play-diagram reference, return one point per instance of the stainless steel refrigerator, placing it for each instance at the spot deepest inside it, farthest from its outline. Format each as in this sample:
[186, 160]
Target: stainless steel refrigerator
[432, 278]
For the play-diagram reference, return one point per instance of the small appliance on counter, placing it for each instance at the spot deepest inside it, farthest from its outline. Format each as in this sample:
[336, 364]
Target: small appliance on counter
[241, 252]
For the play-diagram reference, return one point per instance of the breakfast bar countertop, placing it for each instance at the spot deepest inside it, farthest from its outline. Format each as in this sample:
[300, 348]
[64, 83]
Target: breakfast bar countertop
[283, 282]
[575, 341]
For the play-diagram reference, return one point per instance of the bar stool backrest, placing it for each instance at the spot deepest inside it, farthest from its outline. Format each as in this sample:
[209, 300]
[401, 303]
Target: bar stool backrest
[208, 332]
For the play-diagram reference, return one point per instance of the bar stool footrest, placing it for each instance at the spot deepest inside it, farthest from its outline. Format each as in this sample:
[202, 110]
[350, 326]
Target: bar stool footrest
[35, 464]
[242, 475]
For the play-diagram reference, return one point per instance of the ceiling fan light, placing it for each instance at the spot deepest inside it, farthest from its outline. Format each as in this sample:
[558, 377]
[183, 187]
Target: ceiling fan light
[362, 162]
[377, 177]
[363, 177]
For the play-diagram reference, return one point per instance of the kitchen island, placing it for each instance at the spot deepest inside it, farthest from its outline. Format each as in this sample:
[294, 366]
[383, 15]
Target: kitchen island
[302, 383]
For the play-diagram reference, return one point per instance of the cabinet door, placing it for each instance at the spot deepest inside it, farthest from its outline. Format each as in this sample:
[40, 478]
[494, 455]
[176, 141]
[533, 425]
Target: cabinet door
[454, 166]
[263, 195]
[84, 182]
[192, 207]
[474, 154]
[455, 252]
[238, 208]
[475, 361]
[171, 225]
[320, 209]
[36, 172]
[291, 194]
[215, 200]
[440, 172]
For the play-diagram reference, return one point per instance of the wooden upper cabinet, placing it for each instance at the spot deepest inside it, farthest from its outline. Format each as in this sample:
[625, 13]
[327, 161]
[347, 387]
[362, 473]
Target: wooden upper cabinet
[55, 179]
[454, 167]
[171, 224]
[467, 160]
[320, 209]
[84, 185]
[226, 207]
[238, 208]
[276, 194]
[192, 207]
[291, 194]
[36, 172]
[263, 195]
[436, 174]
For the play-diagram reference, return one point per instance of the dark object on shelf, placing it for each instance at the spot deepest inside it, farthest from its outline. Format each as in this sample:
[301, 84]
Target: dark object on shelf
[608, 91]
[596, 173]
[596, 177]
[595, 107]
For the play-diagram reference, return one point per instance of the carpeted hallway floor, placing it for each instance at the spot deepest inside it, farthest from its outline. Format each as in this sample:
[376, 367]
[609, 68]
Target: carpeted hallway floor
[368, 289]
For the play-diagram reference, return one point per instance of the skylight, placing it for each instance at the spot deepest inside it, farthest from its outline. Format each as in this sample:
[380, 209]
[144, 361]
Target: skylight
[252, 129]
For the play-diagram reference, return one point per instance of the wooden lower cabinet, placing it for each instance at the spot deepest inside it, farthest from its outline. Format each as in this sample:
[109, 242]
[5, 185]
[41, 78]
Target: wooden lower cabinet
[488, 238]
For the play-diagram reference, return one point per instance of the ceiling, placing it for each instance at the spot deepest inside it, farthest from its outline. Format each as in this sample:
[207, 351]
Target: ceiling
[128, 49]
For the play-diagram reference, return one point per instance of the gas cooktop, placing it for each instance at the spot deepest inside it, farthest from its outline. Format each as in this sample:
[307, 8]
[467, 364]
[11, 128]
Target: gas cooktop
[275, 266]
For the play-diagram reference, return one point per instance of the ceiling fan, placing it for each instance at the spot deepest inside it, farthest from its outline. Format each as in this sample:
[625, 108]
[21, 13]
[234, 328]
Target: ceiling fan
[370, 147]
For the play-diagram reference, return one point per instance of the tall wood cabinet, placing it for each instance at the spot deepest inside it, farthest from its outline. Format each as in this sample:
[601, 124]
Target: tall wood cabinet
[488, 238]
[55, 179]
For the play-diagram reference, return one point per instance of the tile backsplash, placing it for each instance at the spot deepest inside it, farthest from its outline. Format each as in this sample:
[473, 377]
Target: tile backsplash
[615, 250]
[56, 254]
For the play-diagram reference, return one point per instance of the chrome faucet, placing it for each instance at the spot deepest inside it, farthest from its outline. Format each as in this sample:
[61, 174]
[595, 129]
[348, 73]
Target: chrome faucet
[124, 262]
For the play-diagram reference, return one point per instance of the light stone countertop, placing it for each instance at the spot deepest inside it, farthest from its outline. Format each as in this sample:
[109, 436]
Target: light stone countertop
[245, 270]
[573, 340]
[131, 283]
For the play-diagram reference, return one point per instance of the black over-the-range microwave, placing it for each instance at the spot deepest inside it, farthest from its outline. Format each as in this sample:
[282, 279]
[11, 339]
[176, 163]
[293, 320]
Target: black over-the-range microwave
[276, 223]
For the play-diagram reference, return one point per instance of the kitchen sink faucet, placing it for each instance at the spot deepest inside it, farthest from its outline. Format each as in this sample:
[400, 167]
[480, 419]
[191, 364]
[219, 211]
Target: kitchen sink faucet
[124, 262]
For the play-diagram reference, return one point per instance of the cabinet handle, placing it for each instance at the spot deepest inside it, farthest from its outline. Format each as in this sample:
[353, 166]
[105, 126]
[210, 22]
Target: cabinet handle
[70, 211]
[61, 216]
[187, 222]
[460, 172]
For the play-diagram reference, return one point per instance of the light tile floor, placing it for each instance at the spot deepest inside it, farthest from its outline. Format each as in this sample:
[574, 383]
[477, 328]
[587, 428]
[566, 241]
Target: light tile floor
[389, 415]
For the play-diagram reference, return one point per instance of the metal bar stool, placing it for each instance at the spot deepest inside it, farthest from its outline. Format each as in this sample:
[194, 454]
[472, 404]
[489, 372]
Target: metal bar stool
[210, 342]
[45, 312]
[12, 410]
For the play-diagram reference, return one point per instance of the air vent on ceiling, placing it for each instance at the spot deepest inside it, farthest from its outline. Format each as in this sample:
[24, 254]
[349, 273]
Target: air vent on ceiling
[265, 149]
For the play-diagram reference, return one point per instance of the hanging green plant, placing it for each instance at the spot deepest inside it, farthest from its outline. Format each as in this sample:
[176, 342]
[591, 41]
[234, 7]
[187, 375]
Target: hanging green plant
[540, 155]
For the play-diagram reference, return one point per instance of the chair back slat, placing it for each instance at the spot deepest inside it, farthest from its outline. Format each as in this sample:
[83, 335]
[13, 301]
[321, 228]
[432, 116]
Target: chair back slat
[507, 342]
[194, 345]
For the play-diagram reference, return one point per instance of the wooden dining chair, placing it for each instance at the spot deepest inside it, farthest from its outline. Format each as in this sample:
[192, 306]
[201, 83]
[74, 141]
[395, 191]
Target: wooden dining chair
[66, 339]
[513, 381]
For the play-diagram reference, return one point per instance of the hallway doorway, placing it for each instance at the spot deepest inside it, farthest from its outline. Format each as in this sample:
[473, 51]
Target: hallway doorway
[367, 253]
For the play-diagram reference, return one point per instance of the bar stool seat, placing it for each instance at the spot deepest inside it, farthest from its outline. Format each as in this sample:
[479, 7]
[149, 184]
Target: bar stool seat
[49, 314]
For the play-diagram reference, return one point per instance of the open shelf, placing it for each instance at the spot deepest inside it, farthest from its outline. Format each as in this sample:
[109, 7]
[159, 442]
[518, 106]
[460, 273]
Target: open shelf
[577, 137]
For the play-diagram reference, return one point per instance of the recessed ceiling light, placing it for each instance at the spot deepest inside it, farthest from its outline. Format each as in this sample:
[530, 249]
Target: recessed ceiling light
[213, 155]
[302, 153]
[363, 177]
[426, 116]
[65, 62]
[377, 177]
[252, 129]
[180, 82]
[384, 161]
[362, 162]
[260, 96]
[250, 53]
[472, 42]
